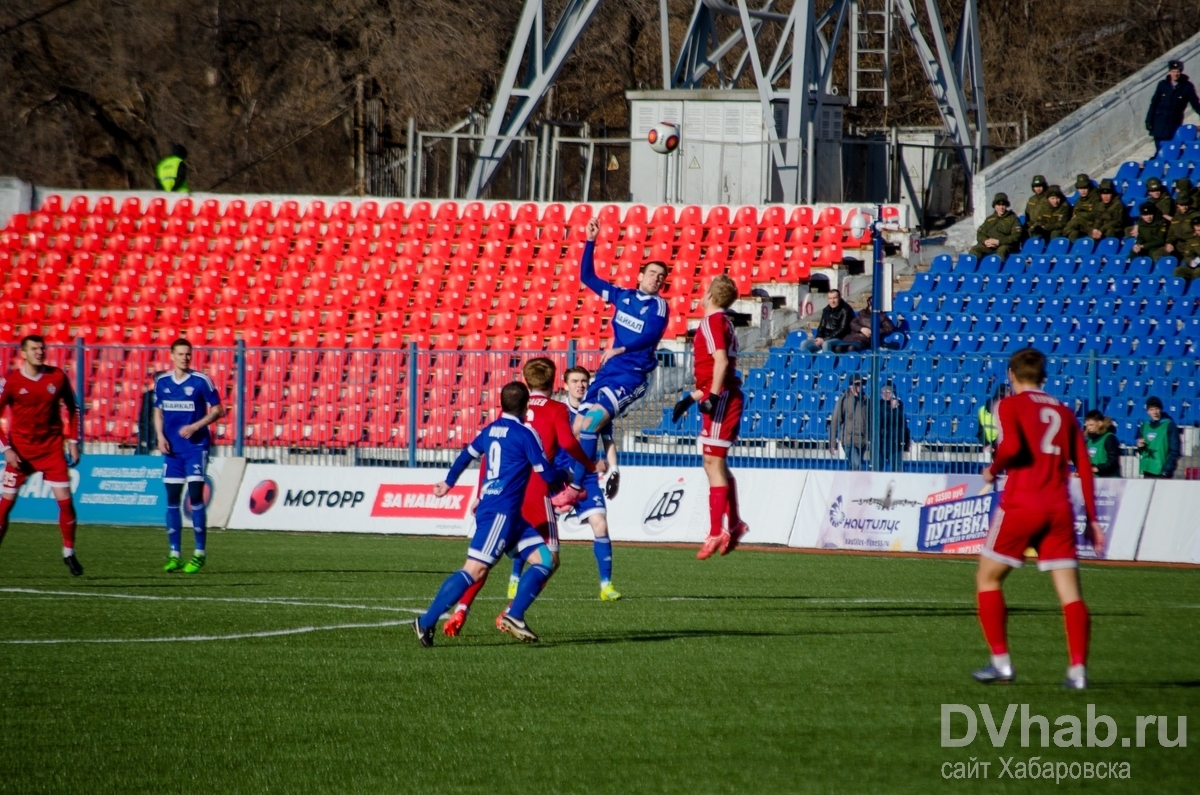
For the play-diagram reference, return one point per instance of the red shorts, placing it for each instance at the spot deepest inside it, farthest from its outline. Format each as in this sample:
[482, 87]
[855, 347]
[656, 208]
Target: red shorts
[50, 461]
[1051, 531]
[538, 511]
[720, 429]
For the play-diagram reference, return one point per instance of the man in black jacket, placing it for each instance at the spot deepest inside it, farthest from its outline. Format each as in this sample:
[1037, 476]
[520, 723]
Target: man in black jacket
[1171, 98]
[835, 324]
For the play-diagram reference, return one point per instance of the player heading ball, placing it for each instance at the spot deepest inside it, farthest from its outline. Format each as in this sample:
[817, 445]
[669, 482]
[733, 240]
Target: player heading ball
[1039, 438]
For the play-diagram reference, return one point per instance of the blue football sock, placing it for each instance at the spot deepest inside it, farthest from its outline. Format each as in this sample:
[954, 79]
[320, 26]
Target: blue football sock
[518, 565]
[602, 549]
[174, 528]
[199, 526]
[447, 596]
[532, 583]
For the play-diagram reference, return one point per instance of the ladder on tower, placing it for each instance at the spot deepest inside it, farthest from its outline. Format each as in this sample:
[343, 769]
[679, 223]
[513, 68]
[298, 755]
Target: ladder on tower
[870, 48]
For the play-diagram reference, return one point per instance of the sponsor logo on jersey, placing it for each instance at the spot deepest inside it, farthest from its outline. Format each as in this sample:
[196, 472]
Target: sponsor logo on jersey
[419, 502]
[178, 405]
[629, 322]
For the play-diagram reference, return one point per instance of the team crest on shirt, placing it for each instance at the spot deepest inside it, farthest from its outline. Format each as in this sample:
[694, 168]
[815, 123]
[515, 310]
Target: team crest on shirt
[50, 388]
[187, 390]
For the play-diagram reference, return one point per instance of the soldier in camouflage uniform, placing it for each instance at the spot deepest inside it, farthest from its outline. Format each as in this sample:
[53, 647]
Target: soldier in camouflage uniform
[1156, 193]
[1105, 217]
[1001, 233]
[1036, 206]
[1151, 232]
[1054, 220]
[1181, 224]
[1188, 252]
[1085, 189]
[1182, 185]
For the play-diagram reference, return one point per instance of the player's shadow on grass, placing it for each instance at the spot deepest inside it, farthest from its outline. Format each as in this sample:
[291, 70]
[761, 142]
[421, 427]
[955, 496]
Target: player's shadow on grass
[659, 636]
[1186, 683]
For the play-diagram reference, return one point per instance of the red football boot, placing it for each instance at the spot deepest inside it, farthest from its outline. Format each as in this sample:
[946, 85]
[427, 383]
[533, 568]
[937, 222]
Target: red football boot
[712, 545]
[733, 537]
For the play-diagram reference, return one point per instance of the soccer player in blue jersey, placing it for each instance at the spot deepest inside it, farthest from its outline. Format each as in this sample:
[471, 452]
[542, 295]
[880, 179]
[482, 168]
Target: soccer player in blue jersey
[514, 453]
[638, 324]
[593, 507]
[185, 404]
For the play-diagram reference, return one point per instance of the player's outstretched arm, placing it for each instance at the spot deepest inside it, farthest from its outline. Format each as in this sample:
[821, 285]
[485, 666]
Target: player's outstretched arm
[469, 453]
[1010, 440]
[587, 266]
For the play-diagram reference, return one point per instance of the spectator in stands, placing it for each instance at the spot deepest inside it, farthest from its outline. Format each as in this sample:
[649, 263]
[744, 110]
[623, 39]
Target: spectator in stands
[1182, 185]
[1151, 232]
[894, 437]
[1171, 98]
[1086, 198]
[1156, 193]
[1102, 445]
[1157, 442]
[1188, 252]
[1037, 202]
[1054, 218]
[171, 172]
[1001, 233]
[987, 429]
[1103, 216]
[850, 424]
[859, 337]
[835, 324]
[1181, 223]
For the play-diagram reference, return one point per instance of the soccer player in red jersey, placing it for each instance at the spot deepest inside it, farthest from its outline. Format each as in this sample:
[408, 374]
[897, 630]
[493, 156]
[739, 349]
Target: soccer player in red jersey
[719, 395]
[551, 421]
[37, 393]
[1039, 438]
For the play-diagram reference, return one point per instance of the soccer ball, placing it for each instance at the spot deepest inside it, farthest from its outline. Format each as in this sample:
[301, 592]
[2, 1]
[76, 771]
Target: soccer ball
[664, 137]
[263, 496]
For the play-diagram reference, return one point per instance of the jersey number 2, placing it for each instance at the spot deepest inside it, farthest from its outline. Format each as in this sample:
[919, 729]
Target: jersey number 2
[493, 461]
[1053, 426]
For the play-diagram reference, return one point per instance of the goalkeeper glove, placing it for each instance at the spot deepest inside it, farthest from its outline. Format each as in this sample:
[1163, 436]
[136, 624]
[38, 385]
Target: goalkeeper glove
[681, 407]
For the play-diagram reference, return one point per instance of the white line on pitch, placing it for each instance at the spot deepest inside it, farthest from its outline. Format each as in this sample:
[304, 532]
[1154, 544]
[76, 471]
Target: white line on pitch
[272, 633]
[234, 599]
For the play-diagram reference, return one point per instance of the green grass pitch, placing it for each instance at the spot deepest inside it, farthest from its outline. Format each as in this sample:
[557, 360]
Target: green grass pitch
[765, 671]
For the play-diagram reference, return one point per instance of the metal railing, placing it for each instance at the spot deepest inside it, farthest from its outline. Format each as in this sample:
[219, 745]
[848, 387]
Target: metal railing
[413, 407]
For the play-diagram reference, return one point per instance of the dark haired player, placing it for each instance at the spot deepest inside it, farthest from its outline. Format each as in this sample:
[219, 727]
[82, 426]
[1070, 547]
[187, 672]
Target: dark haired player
[37, 393]
[1039, 438]
[514, 453]
[185, 404]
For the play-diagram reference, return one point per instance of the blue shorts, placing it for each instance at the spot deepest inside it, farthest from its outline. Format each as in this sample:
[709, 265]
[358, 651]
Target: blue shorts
[615, 390]
[593, 501]
[496, 533]
[185, 466]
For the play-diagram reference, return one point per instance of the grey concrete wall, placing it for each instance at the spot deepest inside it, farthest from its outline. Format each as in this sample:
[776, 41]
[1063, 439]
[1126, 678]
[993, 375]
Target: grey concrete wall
[1095, 139]
[15, 197]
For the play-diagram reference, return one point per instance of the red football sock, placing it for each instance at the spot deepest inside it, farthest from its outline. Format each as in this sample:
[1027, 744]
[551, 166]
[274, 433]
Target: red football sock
[469, 597]
[718, 505]
[1079, 630]
[66, 522]
[6, 504]
[993, 617]
[735, 515]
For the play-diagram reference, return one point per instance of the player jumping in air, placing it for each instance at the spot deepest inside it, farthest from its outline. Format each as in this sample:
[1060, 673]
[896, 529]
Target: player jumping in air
[638, 324]
[185, 404]
[514, 453]
[1038, 438]
[719, 395]
[37, 393]
[593, 507]
[551, 421]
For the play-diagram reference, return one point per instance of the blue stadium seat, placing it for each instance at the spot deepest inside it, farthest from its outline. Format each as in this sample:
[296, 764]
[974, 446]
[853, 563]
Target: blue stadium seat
[1033, 246]
[1148, 286]
[1054, 306]
[1122, 285]
[1107, 247]
[1058, 246]
[960, 324]
[972, 283]
[1130, 169]
[796, 337]
[918, 342]
[755, 379]
[1003, 304]
[1115, 266]
[1071, 285]
[1183, 307]
[1076, 366]
[1040, 265]
[924, 283]
[1175, 171]
[989, 264]
[1096, 343]
[968, 343]
[1065, 266]
[830, 382]
[895, 364]
[1012, 266]
[935, 323]
[1120, 346]
[904, 302]
[1156, 166]
[942, 343]
[1140, 266]
[1157, 307]
[1028, 305]
[986, 324]
[785, 401]
[1009, 324]
[1142, 327]
[978, 305]
[802, 364]
[1191, 153]
[1191, 330]
[942, 263]
[967, 263]
[997, 283]
[954, 303]
[1185, 133]
[1127, 245]
[1024, 285]
[1062, 325]
[1068, 345]
[915, 322]
[1035, 324]
[1082, 247]
[1175, 286]
[777, 360]
[949, 283]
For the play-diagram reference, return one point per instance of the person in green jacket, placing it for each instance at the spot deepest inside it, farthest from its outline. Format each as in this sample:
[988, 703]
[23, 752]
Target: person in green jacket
[1181, 224]
[1188, 252]
[171, 172]
[1086, 190]
[1158, 442]
[1037, 202]
[1103, 448]
[1151, 232]
[1110, 212]
[1054, 219]
[1001, 233]
[1156, 193]
[1182, 185]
